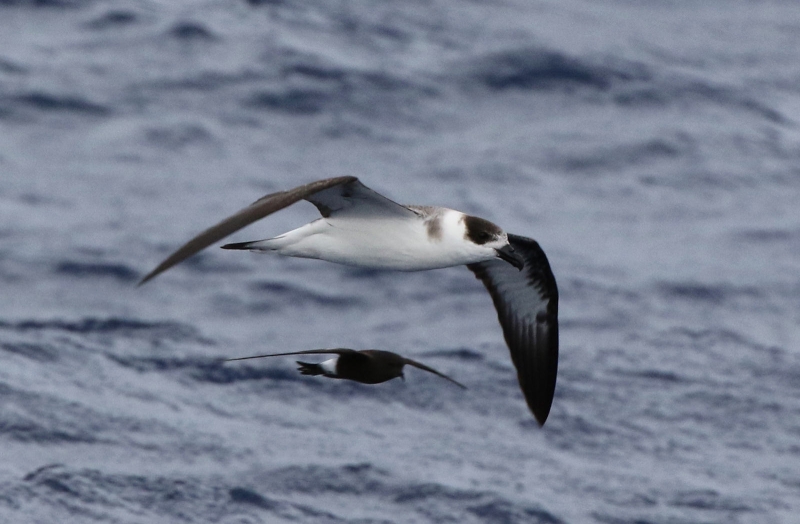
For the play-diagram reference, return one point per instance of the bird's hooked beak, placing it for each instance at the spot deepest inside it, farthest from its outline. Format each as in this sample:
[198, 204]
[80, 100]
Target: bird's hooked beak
[508, 254]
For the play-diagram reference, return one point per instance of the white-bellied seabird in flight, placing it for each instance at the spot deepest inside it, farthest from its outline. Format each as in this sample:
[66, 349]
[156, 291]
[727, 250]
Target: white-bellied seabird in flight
[360, 227]
[368, 366]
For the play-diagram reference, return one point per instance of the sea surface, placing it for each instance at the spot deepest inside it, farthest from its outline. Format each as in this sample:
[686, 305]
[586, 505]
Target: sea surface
[652, 147]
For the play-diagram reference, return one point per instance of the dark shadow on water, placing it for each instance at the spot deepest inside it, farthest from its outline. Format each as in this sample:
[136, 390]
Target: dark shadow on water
[465, 354]
[295, 101]
[36, 4]
[295, 295]
[113, 19]
[712, 293]
[191, 32]
[48, 102]
[120, 272]
[504, 511]
[112, 327]
[38, 352]
[543, 69]
[250, 497]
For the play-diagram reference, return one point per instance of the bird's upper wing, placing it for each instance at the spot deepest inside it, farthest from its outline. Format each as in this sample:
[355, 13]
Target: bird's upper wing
[331, 196]
[336, 351]
[419, 365]
[353, 198]
[527, 307]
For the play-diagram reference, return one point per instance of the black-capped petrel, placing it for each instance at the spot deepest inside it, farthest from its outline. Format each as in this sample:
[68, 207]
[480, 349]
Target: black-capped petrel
[360, 227]
[368, 366]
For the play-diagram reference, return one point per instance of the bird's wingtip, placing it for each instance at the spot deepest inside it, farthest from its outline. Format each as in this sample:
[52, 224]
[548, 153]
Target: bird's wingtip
[541, 416]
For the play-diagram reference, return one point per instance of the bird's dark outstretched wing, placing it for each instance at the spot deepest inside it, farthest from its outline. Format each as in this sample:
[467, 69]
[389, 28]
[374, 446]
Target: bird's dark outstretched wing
[331, 196]
[257, 210]
[527, 307]
[423, 367]
[335, 351]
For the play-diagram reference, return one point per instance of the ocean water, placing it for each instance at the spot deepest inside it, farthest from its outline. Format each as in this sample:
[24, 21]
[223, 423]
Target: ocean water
[651, 147]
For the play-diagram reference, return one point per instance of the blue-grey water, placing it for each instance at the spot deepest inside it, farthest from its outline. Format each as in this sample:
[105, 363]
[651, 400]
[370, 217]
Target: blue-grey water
[652, 148]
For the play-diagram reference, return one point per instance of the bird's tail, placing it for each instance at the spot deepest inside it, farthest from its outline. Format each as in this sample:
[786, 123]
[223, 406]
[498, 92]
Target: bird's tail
[306, 368]
[269, 244]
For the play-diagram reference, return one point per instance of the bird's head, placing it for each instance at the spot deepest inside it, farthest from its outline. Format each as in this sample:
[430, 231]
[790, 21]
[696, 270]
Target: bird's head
[491, 240]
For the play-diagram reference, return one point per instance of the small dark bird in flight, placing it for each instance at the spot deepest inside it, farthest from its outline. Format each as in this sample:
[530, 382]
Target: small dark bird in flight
[368, 366]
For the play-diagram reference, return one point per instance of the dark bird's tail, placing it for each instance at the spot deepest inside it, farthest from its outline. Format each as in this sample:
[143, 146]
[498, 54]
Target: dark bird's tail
[306, 368]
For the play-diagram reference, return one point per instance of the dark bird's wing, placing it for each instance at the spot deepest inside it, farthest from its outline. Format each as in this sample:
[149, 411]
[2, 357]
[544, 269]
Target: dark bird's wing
[335, 351]
[423, 367]
[527, 307]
